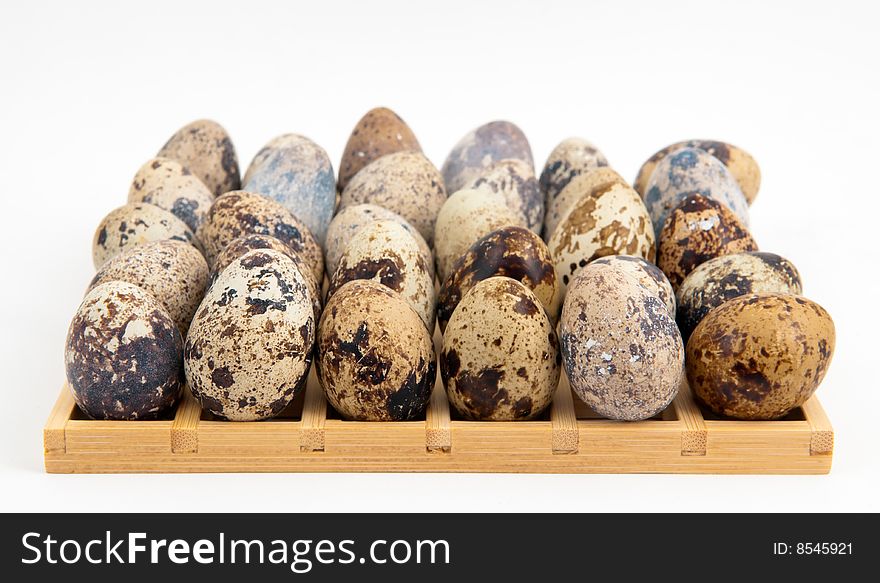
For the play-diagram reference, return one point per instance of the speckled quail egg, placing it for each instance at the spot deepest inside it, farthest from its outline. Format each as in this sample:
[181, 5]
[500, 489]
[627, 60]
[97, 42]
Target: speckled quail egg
[759, 356]
[697, 230]
[250, 344]
[123, 354]
[500, 358]
[513, 252]
[622, 351]
[376, 359]
[570, 158]
[721, 279]
[404, 182]
[580, 186]
[515, 181]
[134, 224]
[482, 147]
[171, 186]
[296, 172]
[205, 148]
[647, 274]
[379, 132]
[385, 252]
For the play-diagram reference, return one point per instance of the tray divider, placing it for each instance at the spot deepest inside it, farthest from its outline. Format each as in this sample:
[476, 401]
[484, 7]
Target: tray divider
[438, 423]
[563, 419]
[53, 432]
[694, 435]
[185, 427]
[314, 417]
[822, 434]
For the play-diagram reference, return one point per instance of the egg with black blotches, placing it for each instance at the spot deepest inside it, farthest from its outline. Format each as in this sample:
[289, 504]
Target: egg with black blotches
[721, 279]
[171, 186]
[622, 351]
[697, 230]
[482, 147]
[123, 354]
[500, 359]
[515, 181]
[134, 224]
[376, 359]
[758, 356]
[571, 157]
[403, 182]
[250, 344]
[385, 252]
[647, 274]
[205, 148]
[513, 252]
[296, 172]
[580, 186]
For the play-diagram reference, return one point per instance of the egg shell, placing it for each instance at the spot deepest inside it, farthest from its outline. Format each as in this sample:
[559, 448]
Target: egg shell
[385, 252]
[721, 279]
[171, 186]
[134, 224]
[582, 185]
[513, 252]
[515, 181]
[691, 171]
[403, 182]
[296, 172]
[376, 360]
[759, 356]
[647, 274]
[570, 158]
[467, 216]
[500, 358]
[622, 351]
[482, 147]
[379, 132]
[697, 230]
[123, 354]
[611, 220]
[738, 162]
[352, 219]
[249, 346]
[173, 272]
[206, 149]
[240, 213]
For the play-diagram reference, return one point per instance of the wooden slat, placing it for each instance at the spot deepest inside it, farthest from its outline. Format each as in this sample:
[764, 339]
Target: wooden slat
[563, 419]
[438, 431]
[185, 427]
[822, 434]
[314, 415]
[694, 435]
[53, 432]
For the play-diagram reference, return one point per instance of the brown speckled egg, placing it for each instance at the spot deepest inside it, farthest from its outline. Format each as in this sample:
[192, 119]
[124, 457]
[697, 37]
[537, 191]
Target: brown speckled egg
[729, 276]
[647, 274]
[622, 351]
[376, 360]
[482, 147]
[404, 182]
[759, 356]
[515, 181]
[582, 185]
[738, 162]
[352, 219]
[697, 230]
[171, 186]
[570, 158]
[173, 272]
[123, 354]
[611, 220]
[513, 252]
[250, 344]
[205, 148]
[385, 252]
[134, 224]
[241, 213]
[467, 216]
[379, 132]
[500, 358]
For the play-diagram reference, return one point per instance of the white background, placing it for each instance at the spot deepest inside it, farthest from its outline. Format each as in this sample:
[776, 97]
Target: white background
[89, 91]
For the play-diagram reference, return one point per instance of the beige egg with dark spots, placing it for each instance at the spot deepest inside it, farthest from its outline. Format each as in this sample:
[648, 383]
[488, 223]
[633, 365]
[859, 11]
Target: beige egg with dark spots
[513, 252]
[249, 346]
[173, 272]
[697, 230]
[622, 351]
[571, 157]
[376, 359]
[134, 224]
[467, 216]
[206, 149]
[379, 132]
[611, 220]
[515, 181]
[647, 274]
[386, 253]
[171, 186]
[483, 147]
[500, 358]
[240, 213]
[403, 182]
[759, 356]
[346, 224]
[581, 186]
[123, 354]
